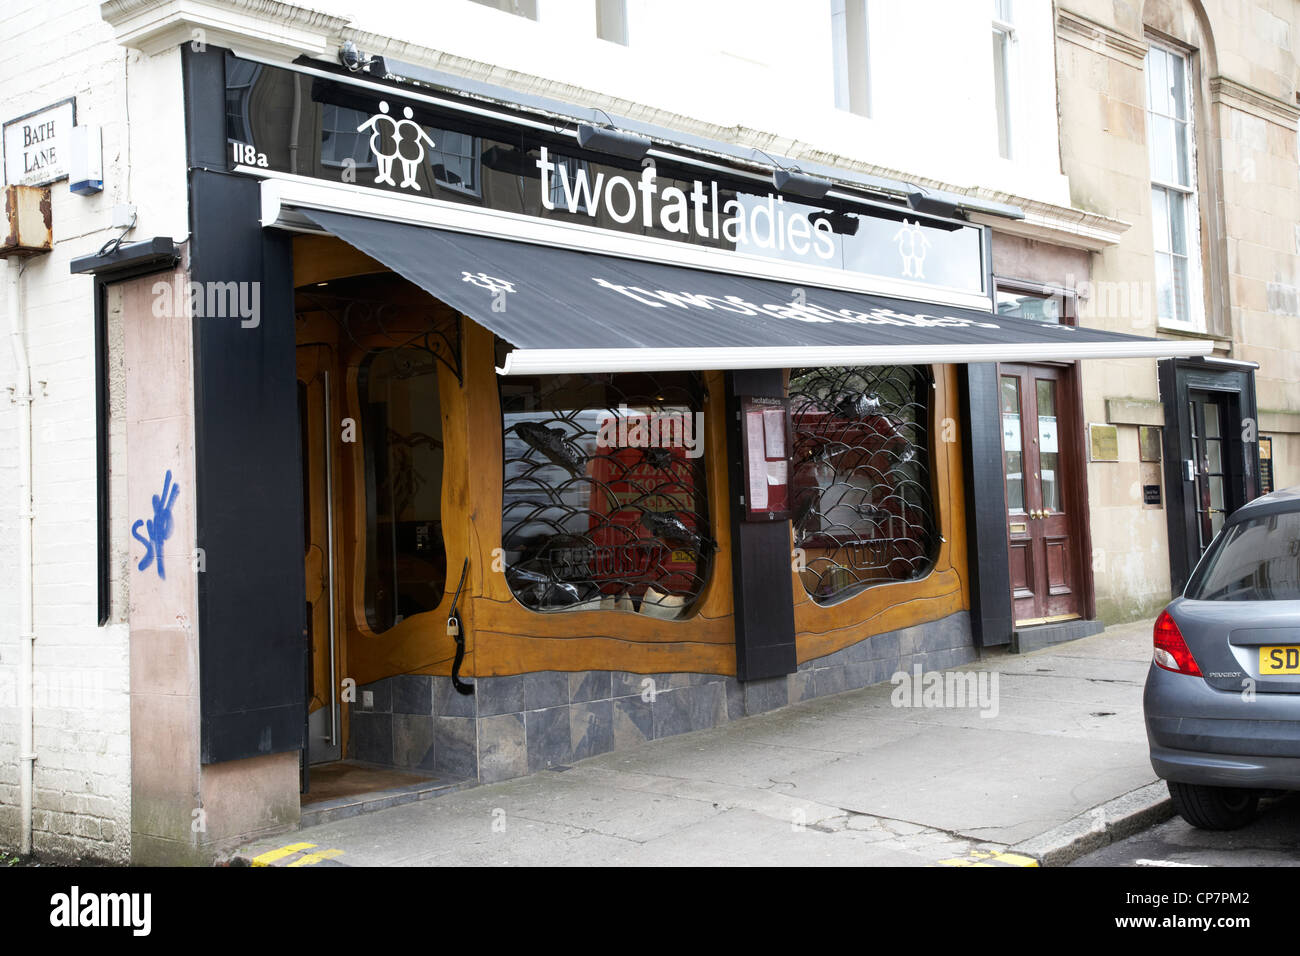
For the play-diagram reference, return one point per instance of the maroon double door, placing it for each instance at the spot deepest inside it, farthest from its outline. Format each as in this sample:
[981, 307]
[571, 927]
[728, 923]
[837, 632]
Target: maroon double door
[1045, 511]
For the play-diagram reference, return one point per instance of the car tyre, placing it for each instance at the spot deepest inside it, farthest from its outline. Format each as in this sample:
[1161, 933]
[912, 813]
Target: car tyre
[1213, 808]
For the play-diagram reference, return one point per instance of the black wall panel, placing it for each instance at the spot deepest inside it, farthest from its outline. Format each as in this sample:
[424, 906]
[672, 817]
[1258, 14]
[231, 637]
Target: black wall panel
[248, 496]
[986, 506]
[760, 554]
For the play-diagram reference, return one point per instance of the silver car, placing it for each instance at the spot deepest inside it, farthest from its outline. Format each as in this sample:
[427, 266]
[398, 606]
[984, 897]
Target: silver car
[1222, 699]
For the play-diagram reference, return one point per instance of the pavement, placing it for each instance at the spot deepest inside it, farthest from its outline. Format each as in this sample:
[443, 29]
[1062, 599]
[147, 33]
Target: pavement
[1058, 769]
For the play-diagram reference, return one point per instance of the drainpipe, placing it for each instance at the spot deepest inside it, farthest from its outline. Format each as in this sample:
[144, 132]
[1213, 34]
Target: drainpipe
[26, 631]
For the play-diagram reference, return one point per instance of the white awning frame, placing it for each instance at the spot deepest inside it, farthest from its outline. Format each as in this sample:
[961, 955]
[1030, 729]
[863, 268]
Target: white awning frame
[573, 361]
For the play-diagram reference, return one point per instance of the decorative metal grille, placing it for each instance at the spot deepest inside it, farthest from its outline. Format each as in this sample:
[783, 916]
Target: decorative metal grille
[369, 320]
[863, 508]
[604, 498]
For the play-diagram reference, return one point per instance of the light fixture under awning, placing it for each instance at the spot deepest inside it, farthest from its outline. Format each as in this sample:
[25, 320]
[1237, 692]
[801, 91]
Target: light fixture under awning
[568, 311]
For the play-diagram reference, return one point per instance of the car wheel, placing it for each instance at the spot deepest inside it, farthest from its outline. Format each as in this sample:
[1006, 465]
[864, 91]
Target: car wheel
[1213, 808]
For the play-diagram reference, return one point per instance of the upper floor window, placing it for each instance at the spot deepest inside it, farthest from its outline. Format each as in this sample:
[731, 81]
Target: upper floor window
[611, 20]
[1175, 213]
[1004, 38]
[849, 54]
[520, 8]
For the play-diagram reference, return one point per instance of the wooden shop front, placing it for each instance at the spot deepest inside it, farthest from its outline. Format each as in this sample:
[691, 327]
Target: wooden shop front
[598, 437]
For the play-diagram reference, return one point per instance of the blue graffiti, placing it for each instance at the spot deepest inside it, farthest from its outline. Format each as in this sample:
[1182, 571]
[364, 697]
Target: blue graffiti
[159, 529]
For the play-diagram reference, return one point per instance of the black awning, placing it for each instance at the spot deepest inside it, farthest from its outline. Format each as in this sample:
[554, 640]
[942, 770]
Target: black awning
[569, 311]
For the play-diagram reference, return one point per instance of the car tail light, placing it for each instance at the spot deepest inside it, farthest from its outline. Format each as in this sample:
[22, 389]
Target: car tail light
[1171, 651]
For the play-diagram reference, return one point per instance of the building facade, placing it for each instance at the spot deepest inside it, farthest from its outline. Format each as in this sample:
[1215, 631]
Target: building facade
[463, 395]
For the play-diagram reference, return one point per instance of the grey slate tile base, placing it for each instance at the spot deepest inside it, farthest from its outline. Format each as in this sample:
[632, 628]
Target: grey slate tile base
[1026, 639]
[523, 723]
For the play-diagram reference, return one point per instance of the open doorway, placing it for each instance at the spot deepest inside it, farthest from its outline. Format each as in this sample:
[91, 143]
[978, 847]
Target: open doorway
[374, 354]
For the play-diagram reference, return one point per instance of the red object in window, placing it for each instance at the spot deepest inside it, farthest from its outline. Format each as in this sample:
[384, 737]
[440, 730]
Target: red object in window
[1171, 651]
[626, 482]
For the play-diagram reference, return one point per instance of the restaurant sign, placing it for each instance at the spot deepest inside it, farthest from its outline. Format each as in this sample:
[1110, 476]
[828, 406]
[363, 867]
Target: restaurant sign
[383, 140]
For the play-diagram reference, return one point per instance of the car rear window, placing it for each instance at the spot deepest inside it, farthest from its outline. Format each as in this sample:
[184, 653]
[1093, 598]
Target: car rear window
[1256, 560]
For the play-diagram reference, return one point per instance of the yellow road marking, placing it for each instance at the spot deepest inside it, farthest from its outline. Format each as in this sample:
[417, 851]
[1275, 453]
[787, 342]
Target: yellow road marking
[977, 858]
[266, 859]
[308, 859]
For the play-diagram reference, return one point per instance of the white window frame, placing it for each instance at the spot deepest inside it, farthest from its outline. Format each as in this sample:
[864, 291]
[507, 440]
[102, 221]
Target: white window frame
[1193, 319]
[1005, 40]
[519, 8]
[852, 90]
[611, 21]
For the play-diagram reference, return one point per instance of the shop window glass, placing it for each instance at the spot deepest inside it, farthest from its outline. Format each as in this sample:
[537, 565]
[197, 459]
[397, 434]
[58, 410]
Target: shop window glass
[406, 563]
[1054, 308]
[604, 502]
[863, 508]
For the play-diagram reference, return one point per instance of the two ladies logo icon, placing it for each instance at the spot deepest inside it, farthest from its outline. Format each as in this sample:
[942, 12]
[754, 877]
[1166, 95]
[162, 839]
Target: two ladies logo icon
[392, 139]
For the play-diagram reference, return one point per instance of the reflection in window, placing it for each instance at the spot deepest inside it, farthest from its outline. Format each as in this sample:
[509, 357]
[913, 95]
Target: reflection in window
[240, 77]
[863, 511]
[455, 161]
[339, 139]
[604, 499]
[406, 564]
[1034, 306]
[1256, 560]
[569, 189]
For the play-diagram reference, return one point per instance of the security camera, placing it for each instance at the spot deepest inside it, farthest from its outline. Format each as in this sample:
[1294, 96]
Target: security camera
[351, 57]
[354, 60]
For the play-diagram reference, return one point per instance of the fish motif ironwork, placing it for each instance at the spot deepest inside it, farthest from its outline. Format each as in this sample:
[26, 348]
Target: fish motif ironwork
[666, 526]
[552, 444]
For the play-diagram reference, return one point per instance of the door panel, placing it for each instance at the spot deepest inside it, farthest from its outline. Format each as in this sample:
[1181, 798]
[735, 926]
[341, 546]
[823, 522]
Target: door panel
[1039, 464]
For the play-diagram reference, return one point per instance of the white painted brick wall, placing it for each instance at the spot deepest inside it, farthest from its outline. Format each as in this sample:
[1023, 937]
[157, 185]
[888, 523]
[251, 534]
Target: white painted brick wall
[55, 49]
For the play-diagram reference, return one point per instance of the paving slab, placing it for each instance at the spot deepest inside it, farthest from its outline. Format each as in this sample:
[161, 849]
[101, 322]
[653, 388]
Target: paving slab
[848, 780]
